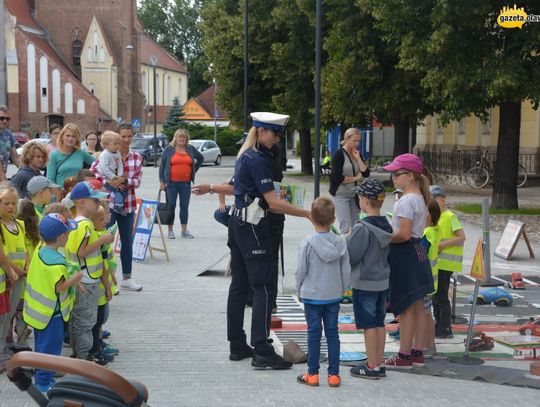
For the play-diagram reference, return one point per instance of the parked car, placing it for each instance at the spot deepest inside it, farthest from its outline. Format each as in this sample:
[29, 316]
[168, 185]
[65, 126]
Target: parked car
[493, 295]
[209, 150]
[43, 141]
[144, 145]
[21, 137]
[530, 328]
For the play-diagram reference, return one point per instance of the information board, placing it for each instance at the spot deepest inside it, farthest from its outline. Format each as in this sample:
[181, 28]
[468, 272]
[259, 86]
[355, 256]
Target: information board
[509, 238]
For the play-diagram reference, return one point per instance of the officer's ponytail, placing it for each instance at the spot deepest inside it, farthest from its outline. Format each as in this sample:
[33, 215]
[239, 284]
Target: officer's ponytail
[251, 141]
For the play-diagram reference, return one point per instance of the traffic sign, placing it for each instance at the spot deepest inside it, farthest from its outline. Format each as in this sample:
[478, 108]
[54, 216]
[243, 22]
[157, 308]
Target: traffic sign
[136, 123]
[477, 268]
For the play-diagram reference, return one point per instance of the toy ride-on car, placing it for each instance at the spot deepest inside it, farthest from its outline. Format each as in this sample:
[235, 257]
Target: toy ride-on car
[530, 328]
[517, 281]
[480, 342]
[86, 384]
[493, 295]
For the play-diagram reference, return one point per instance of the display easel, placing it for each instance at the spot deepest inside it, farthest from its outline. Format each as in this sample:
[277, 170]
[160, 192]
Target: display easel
[159, 249]
[512, 232]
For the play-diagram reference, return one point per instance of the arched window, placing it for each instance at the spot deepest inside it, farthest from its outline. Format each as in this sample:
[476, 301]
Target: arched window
[44, 83]
[95, 42]
[156, 92]
[31, 74]
[56, 90]
[68, 97]
[92, 87]
[180, 98]
[77, 51]
[169, 91]
[101, 55]
[80, 106]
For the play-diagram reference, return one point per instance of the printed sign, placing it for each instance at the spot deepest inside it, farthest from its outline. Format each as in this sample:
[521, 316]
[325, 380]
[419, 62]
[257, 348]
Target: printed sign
[477, 268]
[294, 194]
[513, 230]
[143, 229]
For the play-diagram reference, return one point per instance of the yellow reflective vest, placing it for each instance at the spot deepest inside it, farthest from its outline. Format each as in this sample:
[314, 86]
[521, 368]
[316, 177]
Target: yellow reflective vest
[93, 263]
[15, 243]
[41, 301]
[451, 258]
[432, 235]
[110, 263]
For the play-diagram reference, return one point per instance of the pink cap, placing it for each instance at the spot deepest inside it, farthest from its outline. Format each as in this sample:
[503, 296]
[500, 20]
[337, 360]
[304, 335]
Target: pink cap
[409, 162]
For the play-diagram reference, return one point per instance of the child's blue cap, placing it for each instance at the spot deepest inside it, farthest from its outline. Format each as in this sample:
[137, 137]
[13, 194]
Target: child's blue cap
[87, 189]
[54, 225]
[436, 190]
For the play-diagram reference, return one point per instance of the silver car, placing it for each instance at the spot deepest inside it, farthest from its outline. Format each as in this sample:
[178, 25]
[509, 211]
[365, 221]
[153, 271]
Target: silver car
[209, 150]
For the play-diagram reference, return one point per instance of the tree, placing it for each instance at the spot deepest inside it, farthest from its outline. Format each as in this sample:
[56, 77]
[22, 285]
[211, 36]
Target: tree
[471, 64]
[174, 118]
[174, 25]
[362, 79]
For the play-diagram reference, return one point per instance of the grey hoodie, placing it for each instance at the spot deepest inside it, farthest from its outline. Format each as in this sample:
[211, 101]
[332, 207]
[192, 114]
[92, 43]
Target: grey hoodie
[323, 271]
[368, 246]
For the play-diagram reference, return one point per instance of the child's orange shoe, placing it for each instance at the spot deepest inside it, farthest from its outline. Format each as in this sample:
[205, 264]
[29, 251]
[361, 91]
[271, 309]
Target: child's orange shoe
[334, 380]
[309, 379]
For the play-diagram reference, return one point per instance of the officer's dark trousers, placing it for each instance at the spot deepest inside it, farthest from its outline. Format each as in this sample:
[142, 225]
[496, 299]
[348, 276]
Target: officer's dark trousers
[442, 310]
[252, 266]
[276, 237]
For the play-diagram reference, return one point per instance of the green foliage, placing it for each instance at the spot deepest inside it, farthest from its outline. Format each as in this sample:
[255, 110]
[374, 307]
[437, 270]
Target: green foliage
[226, 138]
[476, 209]
[174, 118]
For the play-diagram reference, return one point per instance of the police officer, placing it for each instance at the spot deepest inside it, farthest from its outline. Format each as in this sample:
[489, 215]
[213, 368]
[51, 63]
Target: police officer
[253, 263]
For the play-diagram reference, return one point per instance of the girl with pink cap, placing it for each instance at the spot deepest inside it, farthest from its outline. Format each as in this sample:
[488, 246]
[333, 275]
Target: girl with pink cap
[410, 270]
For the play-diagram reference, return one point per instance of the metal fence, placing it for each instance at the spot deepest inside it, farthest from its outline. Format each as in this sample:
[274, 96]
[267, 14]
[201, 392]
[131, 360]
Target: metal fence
[460, 161]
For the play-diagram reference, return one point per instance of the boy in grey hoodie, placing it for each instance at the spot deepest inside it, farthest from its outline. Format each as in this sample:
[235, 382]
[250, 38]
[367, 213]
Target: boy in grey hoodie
[322, 274]
[368, 246]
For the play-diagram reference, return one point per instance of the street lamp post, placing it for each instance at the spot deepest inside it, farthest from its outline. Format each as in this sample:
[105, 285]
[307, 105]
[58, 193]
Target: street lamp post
[317, 100]
[245, 67]
[215, 113]
[154, 61]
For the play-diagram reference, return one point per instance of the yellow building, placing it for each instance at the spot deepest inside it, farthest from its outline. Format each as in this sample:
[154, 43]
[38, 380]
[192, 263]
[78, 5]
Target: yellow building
[98, 69]
[465, 137]
[171, 82]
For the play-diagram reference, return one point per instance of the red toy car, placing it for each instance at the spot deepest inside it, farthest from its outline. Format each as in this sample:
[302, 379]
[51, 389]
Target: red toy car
[530, 328]
[480, 342]
[517, 281]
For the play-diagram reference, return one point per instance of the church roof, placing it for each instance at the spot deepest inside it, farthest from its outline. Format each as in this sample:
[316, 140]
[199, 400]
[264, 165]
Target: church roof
[149, 48]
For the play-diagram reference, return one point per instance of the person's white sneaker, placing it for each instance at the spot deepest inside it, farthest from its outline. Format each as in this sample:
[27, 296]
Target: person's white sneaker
[130, 285]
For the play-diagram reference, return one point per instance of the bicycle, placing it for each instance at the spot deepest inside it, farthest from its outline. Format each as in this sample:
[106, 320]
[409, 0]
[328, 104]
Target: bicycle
[479, 175]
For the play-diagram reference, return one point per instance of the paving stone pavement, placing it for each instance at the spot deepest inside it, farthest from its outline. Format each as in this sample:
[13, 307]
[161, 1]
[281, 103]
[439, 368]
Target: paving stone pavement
[172, 335]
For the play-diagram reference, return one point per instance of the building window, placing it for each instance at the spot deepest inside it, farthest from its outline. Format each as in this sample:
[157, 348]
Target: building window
[68, 96]
[462, 124]
[169, 91]
[144, 85]
[95, 41]
[56, 90]
[44, 83]
[80, 106]
[156, 102]
[102, 55]
[180, 90]
[89, 55]
[92, 87]
[31, 74]
[486, 127]
[77, 51]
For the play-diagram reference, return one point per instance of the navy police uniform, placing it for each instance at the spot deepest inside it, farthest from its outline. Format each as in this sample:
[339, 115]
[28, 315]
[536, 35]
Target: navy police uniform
[253, 264]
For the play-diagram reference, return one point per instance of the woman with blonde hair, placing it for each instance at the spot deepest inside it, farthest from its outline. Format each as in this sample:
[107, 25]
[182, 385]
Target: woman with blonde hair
[33, 159]
[348, 169]
[179, 163]
[68, 159]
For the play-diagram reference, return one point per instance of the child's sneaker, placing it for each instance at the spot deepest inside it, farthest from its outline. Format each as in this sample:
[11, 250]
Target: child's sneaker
[109, 350]
[334, 380]
[417, 358]
[430, 352]
[394, 334]
[382, 370]
[365, 372]
[399, 361]
[308, 379]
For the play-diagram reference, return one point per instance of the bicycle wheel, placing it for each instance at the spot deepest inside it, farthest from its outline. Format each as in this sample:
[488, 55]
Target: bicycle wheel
[522, 176]
[477, 177]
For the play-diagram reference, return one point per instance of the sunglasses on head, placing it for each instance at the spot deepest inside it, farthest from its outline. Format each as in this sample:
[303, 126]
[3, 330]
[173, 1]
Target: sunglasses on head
[5, 118]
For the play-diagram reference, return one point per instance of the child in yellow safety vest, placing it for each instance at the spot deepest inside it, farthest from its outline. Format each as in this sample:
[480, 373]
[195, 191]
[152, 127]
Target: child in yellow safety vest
[47, 302]
[12, 236]
[450, 261]
[431, 240]
[40, 190]
[100, 220]
[84, 247]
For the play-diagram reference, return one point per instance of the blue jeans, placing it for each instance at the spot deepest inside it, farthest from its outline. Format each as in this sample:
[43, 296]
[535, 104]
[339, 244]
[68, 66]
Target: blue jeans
[118, 195]
[223, 217]
[183, 191]
[49, 341]
[316, 315]
[125, 228]
[369, 308]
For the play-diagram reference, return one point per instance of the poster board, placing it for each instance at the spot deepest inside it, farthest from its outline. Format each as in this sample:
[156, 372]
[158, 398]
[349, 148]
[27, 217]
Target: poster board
[117, 243]
[509, 238]
[143, 228]
[294, 194]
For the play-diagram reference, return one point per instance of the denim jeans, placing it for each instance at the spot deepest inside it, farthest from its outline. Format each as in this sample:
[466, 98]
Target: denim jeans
[118, 195]
[125, 228]
[183, 191]
[316, 315]
[48, 341]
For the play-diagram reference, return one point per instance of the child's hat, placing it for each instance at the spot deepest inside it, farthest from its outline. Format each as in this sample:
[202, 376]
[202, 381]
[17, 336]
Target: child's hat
[87, 189]
[371, 189]
[39, 183]
[267, 120]
[409, 162]
[54, 225]
[436, 190]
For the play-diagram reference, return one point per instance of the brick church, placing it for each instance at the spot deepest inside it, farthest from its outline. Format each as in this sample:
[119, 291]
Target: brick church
[82, 62]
